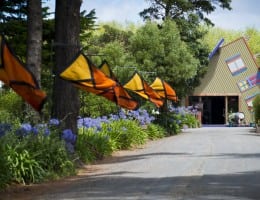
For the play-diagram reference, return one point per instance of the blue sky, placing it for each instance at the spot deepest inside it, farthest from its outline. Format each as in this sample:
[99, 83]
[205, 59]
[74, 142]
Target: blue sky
[245, 13]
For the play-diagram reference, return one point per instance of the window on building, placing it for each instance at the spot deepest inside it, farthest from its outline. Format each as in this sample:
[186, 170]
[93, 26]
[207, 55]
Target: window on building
[250, 82]
[236, 64]
[244, 85]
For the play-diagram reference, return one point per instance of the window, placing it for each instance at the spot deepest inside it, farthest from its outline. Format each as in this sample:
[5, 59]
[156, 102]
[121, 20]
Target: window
[244, 85]
[250, 82]
[254, 79]
[236, 64]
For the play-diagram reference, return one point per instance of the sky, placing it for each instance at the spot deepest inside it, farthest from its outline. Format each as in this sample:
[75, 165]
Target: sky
[244, 13]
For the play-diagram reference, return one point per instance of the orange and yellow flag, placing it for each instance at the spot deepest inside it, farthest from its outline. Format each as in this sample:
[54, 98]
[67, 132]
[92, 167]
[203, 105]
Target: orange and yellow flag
[140, 87]
[164, 89]
[15, 75]
[105, 68]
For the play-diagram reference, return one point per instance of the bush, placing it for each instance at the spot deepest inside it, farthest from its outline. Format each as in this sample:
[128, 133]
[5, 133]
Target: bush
[10, 106]
[125, 133]
[256, 108]
[5, 173]
[155, 131]
[93, 145]
[170, 122]
[31, 156]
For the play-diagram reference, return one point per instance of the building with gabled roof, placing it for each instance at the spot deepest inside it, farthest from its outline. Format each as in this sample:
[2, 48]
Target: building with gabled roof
[230, 84]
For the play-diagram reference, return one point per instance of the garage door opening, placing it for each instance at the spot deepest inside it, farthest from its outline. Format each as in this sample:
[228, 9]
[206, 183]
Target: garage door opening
[214, 108]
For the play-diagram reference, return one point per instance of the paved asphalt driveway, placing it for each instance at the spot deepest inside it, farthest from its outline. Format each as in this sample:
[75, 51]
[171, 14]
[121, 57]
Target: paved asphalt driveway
[217, 163]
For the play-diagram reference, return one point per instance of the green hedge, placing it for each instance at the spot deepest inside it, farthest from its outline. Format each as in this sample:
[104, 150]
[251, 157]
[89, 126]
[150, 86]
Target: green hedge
[256, 108]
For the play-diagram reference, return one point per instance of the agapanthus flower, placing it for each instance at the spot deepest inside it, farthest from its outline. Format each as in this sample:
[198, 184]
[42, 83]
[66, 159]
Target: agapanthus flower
[54, 122]
[69, 136]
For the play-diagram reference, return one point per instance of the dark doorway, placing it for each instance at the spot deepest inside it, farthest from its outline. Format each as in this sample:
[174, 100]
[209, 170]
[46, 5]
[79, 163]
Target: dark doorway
[213, 107]
[213, 110]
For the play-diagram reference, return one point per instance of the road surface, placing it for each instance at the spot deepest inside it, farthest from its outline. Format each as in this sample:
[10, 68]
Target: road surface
[213, 163]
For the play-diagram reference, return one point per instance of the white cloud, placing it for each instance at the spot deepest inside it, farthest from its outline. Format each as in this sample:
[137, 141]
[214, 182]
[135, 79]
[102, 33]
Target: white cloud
[117, 10]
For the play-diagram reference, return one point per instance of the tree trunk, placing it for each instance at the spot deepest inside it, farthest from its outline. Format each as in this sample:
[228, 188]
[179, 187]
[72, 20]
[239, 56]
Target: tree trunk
[34, 38]
[67, 45]
[34, 48]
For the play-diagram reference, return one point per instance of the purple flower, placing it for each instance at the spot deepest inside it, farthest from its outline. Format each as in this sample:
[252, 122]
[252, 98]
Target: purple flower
[26, 127]
[47, 132]
[68, 136]
[54, 122]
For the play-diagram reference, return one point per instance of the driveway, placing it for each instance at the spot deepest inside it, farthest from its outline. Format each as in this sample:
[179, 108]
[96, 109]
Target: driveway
[211, 163]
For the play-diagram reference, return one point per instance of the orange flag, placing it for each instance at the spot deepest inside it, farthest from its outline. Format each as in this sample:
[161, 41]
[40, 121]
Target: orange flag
[122, 96]
[140, 87]
[87, 77]
[105, 68]
[83, 72]
[15, 75]
[164, 89]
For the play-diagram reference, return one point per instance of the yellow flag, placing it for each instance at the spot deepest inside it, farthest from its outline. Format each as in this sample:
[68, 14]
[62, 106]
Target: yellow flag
[164, 89]
[140, 87]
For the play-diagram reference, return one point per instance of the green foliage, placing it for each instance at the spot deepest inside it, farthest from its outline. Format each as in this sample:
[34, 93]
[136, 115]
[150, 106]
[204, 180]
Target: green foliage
[254, 39]
[33, 158]
[183, 10]
[174, 122]
[115, 53]
[190, 120]
[24, 168]
[5, 173]
[10, 106]
[155, 131]
[125, 133]
[51, 153]
[162, 52]
[95, 106]
[93, 145]
[256, 108]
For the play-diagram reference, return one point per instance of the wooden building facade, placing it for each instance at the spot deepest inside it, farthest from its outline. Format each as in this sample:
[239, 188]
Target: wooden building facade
[230, 84]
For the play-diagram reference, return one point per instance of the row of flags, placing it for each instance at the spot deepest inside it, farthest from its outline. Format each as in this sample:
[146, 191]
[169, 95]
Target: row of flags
[83, 74]
[102, 81]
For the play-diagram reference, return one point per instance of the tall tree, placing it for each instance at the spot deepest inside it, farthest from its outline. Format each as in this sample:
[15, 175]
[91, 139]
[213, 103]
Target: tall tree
[162, 52]
[13, 20]
[67, 44]
[188, 16]
[34, 38]
[183, 9]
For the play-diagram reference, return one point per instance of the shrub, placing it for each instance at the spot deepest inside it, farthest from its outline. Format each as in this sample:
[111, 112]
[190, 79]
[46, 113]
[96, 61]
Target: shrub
[155, 131]
[31, 155]
[93, 145]
[10, 106]
[125, 133]
[256, 108]
[5, 174]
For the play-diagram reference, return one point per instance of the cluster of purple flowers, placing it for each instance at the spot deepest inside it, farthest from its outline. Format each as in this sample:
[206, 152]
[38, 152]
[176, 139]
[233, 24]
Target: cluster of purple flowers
[67, 135]
[70, 139]
[183, 110]
[95, 123]
[26, 129]
[140, 115]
